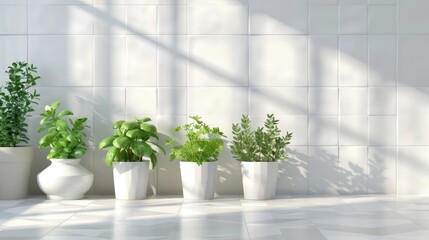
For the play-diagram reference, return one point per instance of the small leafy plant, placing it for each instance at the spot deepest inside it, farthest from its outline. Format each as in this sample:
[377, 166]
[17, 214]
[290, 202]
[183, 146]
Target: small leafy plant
[65, 136]
[204, 144]
[131, 142]
[265, 144]
[16, 101]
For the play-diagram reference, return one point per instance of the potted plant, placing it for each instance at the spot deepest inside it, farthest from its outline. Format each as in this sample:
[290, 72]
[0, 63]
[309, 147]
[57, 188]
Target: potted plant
[259, 152]
[198, 156]
[16, 102]
[65, 178]
[131, 148]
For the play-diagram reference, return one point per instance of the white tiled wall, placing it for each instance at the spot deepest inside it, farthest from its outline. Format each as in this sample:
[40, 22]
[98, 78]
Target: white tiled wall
[349, 78]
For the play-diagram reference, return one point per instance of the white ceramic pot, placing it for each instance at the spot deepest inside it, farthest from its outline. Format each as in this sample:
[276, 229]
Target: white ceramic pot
[65, 179]
[198, 182]
[15, 165]
[259, 180]
[131, 179]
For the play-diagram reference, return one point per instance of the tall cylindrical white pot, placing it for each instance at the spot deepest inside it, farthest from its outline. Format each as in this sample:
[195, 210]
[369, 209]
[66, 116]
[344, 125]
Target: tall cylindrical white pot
[198, 182]
[259, 180]
[15, 165]
[65, 179]
[131, 179]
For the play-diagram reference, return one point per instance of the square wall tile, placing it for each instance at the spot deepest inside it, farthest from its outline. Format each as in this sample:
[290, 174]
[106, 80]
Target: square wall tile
[412, 170]
[382, 101]
[412, 102]
[12, 48]
[283, 17]
[103, 175]
[217, 61]
[62, 60]
[141, 2]
[353, 101]
[171, 19]
[412, 130]
[293, 173]
[413, 17]
[141, 58]
[172, 101]
[278, 61]
[19, 16]
[233, 20]
[13, 2]
[141, 19]
[353, 60]
[323, 130]
[382, 60]
[280, 101]
[323, 19]
[352, 2]
[217, 101]
[323, 62]
[228, 175]
[323, 2]
[110, 19]
[353, 19]
[297, 125]
[109, 101]
[60, 19]
[353, 170]
[382, 170]
[141, 101]
[382, 19]
[172, 60]
[172, 2]
[109, 60]
[413, 52]
[216, 2]
[382, 130]
[353, 131]
[323, 101]
[323, 170]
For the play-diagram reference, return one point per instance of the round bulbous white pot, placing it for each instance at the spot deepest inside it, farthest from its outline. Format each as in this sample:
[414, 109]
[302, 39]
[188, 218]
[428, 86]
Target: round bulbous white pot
[198, 182]
[259, 180]
[15, 165]
[65, 179]
[131, 179]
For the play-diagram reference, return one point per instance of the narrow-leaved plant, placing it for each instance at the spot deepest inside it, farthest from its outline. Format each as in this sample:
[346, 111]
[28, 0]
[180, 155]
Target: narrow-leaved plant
[265, 144]
[16, 102]
[65, 137]
[203, 144]
[132, 141]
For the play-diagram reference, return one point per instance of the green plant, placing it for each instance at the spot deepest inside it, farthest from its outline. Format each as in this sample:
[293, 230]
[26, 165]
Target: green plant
[16, 102]
[65, 137]
[265, 144]
[203, 144]
[131, 142]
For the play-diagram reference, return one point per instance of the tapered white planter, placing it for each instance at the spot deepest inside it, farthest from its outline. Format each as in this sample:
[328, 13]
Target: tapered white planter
[259, 180]
[131, 179]
[15, 165]
[198, 182]
[65, 179]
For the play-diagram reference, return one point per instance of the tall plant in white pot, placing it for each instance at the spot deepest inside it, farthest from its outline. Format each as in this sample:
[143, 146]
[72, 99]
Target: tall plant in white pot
[259, 152]
[131, 149]
[16, 103]
[65, 178]
[198, 158]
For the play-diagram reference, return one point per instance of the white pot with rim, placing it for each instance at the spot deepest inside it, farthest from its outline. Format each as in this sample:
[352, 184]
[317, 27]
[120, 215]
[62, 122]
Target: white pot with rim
[259, 180]
[15, 165]
[131, 179]
[198, 181]
[65, 179]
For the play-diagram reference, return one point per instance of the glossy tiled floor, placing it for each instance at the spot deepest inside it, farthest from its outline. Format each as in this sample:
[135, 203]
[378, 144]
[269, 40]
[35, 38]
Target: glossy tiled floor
[314, 218]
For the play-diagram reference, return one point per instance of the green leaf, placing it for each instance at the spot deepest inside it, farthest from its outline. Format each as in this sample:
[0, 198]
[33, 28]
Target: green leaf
[118, 124]
[111, 156]
[46, 140]
[121, 142]
[148, 127]
[106, 142]
[65, 113]
[129, 125]
[153, 160]
[141, 149]
[136, 134]
[61, 125]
